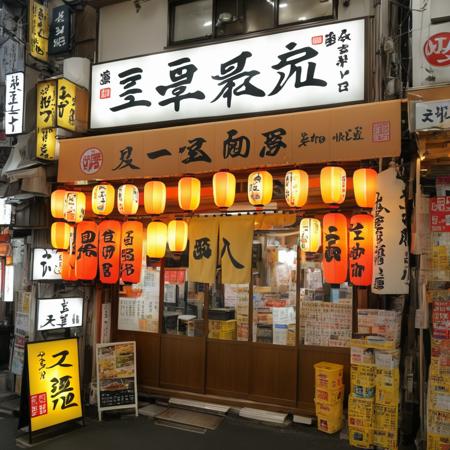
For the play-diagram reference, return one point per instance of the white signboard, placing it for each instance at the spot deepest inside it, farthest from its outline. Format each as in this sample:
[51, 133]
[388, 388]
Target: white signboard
[46, 264]
[56, 313]
[14, 104]
[8, 292]
[391, 261]
[5, 212]
[317, 66]
[433, 114]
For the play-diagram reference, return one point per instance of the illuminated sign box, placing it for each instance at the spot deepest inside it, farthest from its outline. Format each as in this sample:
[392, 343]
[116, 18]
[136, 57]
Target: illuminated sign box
[46, 264]
[291, 70]
[58, 313]
[14, 103]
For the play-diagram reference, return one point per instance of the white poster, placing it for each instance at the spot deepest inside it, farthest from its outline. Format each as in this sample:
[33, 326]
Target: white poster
[56, 313]
[14, 104]
[8, 289]
[5, 212]
[46, 264]
[309, 67]
[391, 259]
[106, 323]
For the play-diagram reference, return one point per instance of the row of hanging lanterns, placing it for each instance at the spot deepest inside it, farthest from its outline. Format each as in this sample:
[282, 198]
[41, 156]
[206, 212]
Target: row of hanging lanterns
[71, 206]
[347, 247]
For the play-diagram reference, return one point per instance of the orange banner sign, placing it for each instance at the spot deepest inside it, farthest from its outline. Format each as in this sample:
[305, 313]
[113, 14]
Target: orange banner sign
[348, 133]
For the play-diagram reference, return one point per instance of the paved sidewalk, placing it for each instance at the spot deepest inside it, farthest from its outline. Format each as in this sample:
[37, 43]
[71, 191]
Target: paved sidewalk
[130, 433]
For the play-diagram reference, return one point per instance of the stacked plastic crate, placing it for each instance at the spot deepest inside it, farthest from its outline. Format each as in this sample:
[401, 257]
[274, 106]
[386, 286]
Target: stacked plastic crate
[329, 396]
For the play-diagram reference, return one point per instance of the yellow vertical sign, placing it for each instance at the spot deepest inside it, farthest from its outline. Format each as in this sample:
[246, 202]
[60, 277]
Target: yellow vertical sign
[46, 104]
[66, 104]
[54, 381]
[46, 143]
[38, 30]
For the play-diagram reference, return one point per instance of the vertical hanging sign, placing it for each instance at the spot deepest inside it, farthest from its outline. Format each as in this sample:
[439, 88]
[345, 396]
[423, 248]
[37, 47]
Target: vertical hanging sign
[60, 28]
[38, 30]
[360, 261]
[86, 245]
[66, 98]
[131, 252]
[391, 261]
[14, 103]
[109, 251]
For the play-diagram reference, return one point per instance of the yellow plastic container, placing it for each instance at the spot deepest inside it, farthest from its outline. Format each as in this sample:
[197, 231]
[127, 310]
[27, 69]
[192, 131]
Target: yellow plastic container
[361, 412]
[385, 439]
[329, 425]
[329, 375]
[329, 395]
[363, 375]
[437, 442]
[360, 437]
[386, 417]
[330, 410]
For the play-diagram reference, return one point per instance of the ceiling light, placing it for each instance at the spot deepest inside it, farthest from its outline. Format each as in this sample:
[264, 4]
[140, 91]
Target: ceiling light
[283, 5]
[302, 18]
[207, 24]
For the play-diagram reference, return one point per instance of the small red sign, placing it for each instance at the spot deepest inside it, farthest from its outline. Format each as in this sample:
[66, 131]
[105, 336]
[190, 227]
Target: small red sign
[381, 131]
[91, 161]
[316, 40]
[437, 49]
[38, 404]
[105, 93]
[440, 214]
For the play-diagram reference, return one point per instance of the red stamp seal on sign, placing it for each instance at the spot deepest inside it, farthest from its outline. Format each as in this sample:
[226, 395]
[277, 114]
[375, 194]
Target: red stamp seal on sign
[91, 161]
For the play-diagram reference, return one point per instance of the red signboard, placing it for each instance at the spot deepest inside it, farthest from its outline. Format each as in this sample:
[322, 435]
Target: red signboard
[437, 49]
[440, 214]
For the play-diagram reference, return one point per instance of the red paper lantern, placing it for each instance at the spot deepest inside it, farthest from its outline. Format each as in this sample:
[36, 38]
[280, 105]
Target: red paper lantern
[86, 250]
[335, 248]
[68, 266]
[131, 252]
[360, 263]
[109, 238]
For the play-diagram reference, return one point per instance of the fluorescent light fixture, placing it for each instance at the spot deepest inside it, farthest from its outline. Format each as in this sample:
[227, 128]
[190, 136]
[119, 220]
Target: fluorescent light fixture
[283, 5]
[207, 24]
[302, 18]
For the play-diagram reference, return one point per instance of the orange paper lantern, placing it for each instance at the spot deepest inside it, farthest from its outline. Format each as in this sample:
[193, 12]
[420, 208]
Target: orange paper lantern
[260, 187]
[57, 203]
[189, 190]
[156, 239]
[61, 235]
[127, 199]
[109, 238]
[296, 187]
[224, 189]
[131, 252]
[333, 184]
[177, 235]
[154, 197]
[310, 235]
[335, 248]
[74, 206]
[360, 262]
[86, 250]
[103, 196]
[365, 187]
[68, 266]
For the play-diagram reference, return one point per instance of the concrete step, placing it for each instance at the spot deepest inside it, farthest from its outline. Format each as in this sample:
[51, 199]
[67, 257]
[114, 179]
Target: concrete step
[10, 406]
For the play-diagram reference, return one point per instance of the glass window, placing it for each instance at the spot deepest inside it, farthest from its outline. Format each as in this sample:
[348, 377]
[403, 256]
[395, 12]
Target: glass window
[192, 20]
[275, 287]
[259, 15]
[228, 312]
[325, 311]
[296, 11]
[183, 304]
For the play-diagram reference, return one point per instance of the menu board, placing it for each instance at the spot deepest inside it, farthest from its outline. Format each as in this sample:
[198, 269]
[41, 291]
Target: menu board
[116, 376]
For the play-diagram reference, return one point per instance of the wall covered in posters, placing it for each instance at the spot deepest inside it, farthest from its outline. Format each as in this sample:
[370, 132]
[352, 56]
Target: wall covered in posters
[296, 69]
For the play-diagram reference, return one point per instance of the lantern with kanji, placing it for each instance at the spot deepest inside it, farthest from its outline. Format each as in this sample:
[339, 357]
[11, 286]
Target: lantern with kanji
[360, 257]
[156, 239]
[333, 184]
[296, 186]
[189, 189]
[177, 235]
[103, 196]
[260, 187]
[127, 199]
[86, 250]
[57, 203]
[154, 197]
[61, 234]
[131, 252]
[310, 235]
[365, 187]
[74, 206]
[109, 238]
[224, 189]
[335, 248]
[68, 266]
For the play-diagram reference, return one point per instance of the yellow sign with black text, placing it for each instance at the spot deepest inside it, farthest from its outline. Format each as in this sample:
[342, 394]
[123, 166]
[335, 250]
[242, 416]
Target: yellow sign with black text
[67, 96]
[46, 143]
[54, 381]
[38, 30]
[46, 104]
